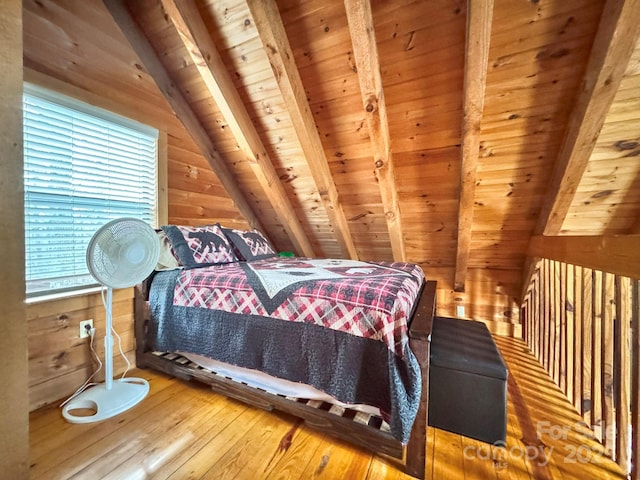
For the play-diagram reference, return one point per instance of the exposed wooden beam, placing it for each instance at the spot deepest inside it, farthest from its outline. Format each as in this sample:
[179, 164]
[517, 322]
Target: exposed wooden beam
[479, 18]
[193, 32]
[612, 48]
[276, 44]
[180, 106]
[365, 51]
[618, 254]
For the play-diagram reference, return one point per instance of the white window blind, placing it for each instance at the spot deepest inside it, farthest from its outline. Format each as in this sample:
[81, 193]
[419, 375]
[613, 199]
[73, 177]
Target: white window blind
[83, 167]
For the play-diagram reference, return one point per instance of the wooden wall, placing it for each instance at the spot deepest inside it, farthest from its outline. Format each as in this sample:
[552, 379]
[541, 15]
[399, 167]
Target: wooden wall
[14, 421]
[75, 48]
[59, 360]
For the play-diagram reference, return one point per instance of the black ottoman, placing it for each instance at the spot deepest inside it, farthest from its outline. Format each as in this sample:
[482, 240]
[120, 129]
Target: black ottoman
[467, 381]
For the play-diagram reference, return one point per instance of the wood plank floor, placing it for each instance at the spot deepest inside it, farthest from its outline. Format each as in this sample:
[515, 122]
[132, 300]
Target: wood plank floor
[184, 431]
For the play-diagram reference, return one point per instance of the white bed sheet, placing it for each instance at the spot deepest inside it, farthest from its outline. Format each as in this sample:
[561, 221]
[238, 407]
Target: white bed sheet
[272, 384]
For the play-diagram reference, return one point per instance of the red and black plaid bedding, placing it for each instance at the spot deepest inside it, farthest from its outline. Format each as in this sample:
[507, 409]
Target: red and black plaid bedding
[338, 325]
[367, 299]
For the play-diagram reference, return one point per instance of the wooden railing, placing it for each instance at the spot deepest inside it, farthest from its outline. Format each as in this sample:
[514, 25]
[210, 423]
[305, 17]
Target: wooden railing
[584, 327]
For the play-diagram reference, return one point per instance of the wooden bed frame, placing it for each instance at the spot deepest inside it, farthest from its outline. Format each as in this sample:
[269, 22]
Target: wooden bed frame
[361, 430]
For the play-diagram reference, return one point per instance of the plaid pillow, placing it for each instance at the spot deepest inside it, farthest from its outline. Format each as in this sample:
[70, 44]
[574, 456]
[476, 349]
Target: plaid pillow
[250, 244]
[194, 246]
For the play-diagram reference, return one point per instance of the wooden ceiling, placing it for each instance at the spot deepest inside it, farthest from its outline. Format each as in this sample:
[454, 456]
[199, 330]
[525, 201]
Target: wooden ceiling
[437, 132]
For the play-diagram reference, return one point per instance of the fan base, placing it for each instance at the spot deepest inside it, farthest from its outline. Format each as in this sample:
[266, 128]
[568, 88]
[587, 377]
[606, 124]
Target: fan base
[123, 394]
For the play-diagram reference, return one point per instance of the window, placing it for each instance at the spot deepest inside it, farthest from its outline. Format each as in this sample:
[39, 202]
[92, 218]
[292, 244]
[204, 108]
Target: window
[83, 167]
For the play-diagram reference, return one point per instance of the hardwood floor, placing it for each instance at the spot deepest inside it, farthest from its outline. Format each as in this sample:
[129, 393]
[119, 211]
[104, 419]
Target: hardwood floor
[184, 431]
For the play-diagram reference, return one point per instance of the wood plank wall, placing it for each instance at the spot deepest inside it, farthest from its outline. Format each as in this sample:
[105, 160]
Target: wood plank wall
[14, 421]
[76, 49]
[580, 323]
[59, 360]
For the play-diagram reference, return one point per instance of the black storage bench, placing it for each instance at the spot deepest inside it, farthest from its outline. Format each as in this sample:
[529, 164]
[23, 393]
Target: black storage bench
[467, 381]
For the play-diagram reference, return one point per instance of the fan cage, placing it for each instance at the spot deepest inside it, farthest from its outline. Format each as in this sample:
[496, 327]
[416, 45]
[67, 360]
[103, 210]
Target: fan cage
[123, 252]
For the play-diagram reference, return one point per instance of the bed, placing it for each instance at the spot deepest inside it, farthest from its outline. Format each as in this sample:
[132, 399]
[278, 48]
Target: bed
[224, 295]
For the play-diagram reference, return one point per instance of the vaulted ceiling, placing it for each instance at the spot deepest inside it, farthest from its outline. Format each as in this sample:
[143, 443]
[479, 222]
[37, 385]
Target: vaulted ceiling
[445, 133]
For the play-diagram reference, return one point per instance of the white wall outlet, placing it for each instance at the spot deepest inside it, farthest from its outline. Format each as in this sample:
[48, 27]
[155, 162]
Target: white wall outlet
[85, 327]
[460, 311]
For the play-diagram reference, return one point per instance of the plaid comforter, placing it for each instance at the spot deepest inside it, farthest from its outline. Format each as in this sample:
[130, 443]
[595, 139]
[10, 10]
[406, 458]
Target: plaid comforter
[339, 325]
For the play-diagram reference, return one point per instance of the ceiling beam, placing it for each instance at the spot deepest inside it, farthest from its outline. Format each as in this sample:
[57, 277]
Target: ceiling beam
[476, 59]
[197, 41]
[183, 111]
[617, 254]
[276, 44]
[612, 48]
[610, 54]
[365, 51]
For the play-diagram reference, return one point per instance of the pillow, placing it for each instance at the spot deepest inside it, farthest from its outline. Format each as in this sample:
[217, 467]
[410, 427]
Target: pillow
[250, 244]
[194, 246]
[168, 259]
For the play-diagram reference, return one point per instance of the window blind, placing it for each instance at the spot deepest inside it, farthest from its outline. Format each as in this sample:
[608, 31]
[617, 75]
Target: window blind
[81, 170]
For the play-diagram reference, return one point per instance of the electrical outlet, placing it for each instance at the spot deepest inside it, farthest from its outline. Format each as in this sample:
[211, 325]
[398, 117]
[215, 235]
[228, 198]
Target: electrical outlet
[85, 326]
[460, 311]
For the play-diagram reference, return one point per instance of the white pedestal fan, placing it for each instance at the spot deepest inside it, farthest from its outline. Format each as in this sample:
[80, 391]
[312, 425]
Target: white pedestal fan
[121, 254]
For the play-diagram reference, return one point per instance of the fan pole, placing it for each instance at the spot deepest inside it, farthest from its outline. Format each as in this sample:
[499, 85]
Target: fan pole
[122, 253]
[109, 398]
[108, 342]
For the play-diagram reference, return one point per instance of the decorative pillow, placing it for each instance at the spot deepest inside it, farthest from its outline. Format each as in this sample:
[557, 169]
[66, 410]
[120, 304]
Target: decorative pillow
[204, 245]
[250, 244]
